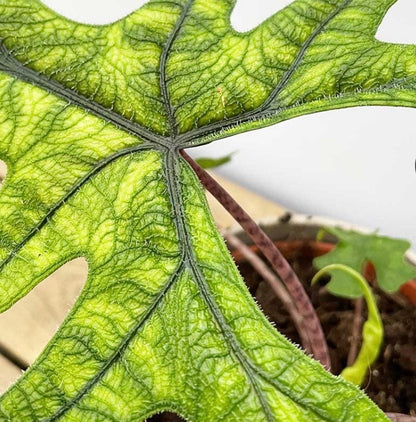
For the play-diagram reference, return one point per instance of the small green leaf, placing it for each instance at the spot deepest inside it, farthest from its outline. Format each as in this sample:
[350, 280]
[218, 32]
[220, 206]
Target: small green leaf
[210, 163]
[372, 329]
[355, 250]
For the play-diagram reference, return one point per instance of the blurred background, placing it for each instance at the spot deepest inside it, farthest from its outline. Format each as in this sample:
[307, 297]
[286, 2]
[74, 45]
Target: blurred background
[356, 165]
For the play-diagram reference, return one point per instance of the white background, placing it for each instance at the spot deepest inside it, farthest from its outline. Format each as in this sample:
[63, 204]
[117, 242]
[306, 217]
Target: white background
[356, 164]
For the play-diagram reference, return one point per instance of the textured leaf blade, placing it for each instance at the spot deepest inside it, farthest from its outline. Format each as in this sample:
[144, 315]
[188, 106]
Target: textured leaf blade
[184, 73]
[153, 328]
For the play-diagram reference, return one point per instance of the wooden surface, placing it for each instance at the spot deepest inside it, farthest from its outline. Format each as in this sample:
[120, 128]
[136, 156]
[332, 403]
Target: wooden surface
[8, 373]
[256, 206]
[2, 170]
[26, 328]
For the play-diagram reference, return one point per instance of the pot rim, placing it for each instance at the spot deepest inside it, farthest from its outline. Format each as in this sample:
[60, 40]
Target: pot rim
[312, 224]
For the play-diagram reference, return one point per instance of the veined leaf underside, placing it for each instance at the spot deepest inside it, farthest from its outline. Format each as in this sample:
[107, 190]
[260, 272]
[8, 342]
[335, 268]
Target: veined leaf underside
[265, 110]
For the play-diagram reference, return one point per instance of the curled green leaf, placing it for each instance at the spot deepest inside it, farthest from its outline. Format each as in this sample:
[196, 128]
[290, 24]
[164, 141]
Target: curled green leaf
[372, 329]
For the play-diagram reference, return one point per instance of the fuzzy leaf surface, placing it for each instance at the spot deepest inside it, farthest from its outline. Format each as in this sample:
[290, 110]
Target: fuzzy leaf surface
[91, 121]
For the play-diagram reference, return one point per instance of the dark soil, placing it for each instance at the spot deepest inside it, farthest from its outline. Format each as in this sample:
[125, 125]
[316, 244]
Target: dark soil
[391, 382]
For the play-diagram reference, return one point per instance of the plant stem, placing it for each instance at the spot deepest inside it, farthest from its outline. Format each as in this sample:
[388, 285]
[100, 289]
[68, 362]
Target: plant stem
[275, 258]
[372, 333]
[356, 330]
[277, 286]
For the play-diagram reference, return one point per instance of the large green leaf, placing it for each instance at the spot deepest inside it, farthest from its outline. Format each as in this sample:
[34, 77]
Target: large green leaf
[91, 122]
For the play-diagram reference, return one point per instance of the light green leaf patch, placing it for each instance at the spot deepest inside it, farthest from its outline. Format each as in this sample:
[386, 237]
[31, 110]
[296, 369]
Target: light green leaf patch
[210, 163]
[355, 250]
[92, 119]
